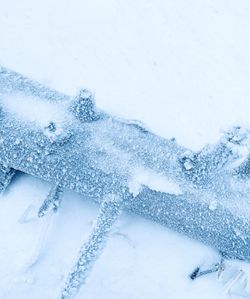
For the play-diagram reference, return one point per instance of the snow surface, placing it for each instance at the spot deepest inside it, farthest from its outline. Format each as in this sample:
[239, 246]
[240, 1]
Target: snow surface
[183, 68]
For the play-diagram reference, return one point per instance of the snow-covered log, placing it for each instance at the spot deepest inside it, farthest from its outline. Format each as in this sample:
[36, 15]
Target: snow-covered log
[200, 194]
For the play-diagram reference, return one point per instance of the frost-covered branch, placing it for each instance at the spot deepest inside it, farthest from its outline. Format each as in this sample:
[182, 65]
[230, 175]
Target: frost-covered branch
[6, 175]
[109, 212]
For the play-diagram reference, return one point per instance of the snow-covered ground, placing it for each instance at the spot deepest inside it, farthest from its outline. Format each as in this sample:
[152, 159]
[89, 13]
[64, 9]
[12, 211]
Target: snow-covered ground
[182, 67]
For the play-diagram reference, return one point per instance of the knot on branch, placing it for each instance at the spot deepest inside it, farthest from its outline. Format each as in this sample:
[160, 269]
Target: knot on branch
[83, 106]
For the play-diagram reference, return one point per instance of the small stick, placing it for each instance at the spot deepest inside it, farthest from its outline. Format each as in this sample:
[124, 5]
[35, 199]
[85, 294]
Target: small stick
[52, 201]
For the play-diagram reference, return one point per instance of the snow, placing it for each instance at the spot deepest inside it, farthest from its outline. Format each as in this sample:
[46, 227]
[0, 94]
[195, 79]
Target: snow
[182, 68]
[41, 114]
[153, 180]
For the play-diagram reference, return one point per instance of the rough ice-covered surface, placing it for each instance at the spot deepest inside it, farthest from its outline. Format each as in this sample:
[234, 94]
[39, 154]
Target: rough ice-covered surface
[149, 61]
[102, 155]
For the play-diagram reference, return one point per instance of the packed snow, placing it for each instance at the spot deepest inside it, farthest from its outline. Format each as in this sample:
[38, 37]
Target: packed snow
[41, 113]
[153, 180]
[182, 68]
